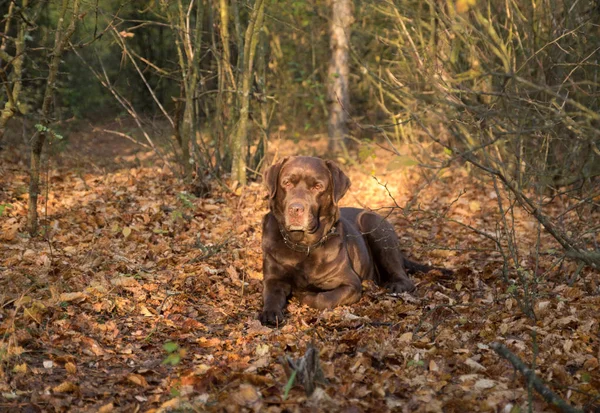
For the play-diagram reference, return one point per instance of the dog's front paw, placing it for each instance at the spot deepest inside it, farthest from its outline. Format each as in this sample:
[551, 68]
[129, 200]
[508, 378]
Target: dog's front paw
[271, 317]
[401, 286]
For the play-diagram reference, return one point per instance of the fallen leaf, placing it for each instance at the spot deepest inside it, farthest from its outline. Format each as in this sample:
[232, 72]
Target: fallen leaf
[433, 366]
[474, 206]
[591, 363]
[67, 297]
[137, 379]
[71, 368]
[474, 365]
[262, 349]
[107, 408]
[247, 395]
[92, 346]
[406, 337]
[20, 368]
[66, 387]
[145, 312]
[483, 384]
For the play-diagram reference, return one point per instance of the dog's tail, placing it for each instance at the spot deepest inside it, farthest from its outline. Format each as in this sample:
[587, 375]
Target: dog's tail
[414, 267]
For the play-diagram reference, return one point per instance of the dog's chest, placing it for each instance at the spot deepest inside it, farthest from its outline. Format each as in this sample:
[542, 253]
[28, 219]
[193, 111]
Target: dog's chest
[317, 270]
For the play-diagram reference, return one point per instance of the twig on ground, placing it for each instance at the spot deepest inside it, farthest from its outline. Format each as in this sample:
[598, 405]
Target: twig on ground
[531, 377]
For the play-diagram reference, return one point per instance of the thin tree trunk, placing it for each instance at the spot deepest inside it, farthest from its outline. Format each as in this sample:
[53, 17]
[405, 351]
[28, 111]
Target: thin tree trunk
[11, 107]
[262, 89]
[61, 39]
[217, 124]
[339, 95]
[192, 46]
[240, 143]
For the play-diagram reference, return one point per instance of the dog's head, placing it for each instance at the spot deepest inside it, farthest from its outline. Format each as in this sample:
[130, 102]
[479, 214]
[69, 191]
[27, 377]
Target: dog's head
[304, 193]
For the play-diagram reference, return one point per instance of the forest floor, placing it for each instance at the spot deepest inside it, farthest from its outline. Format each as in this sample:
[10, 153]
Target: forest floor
[140, 297]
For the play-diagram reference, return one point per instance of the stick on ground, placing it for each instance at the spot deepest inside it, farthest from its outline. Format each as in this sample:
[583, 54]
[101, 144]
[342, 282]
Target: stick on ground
[537, 383]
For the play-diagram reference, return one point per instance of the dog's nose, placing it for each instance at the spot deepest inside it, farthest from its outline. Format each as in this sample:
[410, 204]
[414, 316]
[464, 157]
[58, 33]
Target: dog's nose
[296, 208]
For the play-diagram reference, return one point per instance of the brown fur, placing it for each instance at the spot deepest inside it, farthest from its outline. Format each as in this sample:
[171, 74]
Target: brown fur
[318, 251]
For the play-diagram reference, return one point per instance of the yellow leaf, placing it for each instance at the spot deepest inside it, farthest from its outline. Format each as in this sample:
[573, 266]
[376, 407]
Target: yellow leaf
[65, 387]
[474, 206]
[463, 6]
[126, 232]
[201, 369]
[20, 368]
[23, 300]
[262, 349]
[15, 351]
[35, 311]
[145, 312]
[107, 408]
[406, 337]
[71, 368]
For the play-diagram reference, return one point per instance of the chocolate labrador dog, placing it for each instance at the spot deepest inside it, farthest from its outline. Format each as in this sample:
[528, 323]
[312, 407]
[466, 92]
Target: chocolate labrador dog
[319, 251]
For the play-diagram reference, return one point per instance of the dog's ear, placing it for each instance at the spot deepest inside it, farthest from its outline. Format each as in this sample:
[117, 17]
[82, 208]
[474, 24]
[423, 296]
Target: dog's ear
[270, 176]
[339, 181]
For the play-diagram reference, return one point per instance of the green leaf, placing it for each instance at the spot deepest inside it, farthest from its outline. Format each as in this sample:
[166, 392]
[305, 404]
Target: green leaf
[175, 391]
[448, 151]
[289, 384]
[418, 363]
[173, 359]
[186, 199]
[400, 162]
[170, 347]
[585, 377]
[3, 207]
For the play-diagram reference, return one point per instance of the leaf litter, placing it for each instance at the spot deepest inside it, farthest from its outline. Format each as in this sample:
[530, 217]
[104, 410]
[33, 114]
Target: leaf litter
[146, 299]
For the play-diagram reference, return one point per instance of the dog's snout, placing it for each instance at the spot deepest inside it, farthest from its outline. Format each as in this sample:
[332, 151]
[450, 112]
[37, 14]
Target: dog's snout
[296, 208]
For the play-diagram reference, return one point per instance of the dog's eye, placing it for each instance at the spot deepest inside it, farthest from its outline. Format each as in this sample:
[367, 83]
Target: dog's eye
[318, 187]
[286, 183]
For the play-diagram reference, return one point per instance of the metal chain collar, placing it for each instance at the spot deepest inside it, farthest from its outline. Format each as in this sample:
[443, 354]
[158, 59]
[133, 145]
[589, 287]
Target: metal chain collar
[307, 248]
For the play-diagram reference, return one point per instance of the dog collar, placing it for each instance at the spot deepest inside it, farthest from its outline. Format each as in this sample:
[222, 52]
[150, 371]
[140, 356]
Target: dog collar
[307, 248]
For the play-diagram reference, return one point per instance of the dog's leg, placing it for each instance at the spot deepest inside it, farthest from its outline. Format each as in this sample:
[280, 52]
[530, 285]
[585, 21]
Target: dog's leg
[276, 290]
[343, 295]
[384, 245]
[275, 293]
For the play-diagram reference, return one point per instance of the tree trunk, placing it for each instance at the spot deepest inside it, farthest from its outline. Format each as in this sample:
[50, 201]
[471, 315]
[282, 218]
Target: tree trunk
[61, 40]
[11, 107]
[188, 43]
[240, 143]
[339, 96]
